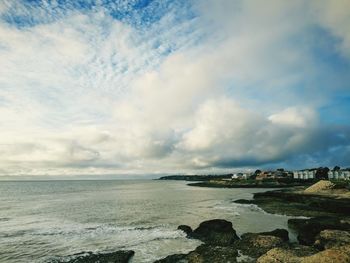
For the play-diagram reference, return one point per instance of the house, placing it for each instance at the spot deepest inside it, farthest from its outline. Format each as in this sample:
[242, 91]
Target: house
[304, 174]
[240, 176]
[339, 175]
[263, 175]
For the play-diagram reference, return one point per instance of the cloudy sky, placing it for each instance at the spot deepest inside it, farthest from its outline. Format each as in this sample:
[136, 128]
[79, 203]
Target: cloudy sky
[99, 87]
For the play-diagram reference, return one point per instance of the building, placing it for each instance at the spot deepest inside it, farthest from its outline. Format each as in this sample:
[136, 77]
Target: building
[240, 176]
[264, 175]
[339, 175]
[304, 174]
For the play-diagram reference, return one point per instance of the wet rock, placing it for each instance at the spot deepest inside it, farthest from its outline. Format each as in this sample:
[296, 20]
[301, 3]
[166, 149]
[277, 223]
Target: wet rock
[187, 229]
[308, 229]
[281, 233]
[204, 254]
[255, 245]
[176, 258]
[244, 201]
[122, 256]
[215, 232]
[332, 238]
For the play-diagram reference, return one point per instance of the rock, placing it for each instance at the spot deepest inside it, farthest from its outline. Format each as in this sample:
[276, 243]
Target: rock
[215, 232]
[336, 255]
[293, 254]
[176, 258]
[296, 203]
[281, 233]
[187, 229]
[122, 256]
[332, 238]
[320, 186]
[308, 229]
[255, 245]
[279, 255]
[213, 254]
[243, 201]
[204, 254]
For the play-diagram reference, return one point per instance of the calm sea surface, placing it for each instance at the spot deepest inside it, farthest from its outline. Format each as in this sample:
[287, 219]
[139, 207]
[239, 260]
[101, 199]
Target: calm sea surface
[43, 221]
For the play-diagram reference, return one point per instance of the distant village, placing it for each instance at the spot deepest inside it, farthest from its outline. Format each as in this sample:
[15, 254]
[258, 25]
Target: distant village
[314, 173]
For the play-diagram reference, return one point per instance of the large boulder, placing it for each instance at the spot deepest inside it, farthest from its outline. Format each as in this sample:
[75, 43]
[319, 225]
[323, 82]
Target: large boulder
[122, 256]
[204, 254]
[215, 232]
[332, 238]
[308, 229]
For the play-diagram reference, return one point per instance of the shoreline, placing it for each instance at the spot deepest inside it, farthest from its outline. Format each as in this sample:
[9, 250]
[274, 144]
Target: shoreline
[323, 237]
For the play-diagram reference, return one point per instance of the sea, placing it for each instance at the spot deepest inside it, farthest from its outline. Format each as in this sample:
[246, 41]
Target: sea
[46, 221]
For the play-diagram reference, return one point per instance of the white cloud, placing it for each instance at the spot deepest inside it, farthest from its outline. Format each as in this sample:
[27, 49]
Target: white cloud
[335, 16]
[227, 134]
[298, 117]
[85, 93]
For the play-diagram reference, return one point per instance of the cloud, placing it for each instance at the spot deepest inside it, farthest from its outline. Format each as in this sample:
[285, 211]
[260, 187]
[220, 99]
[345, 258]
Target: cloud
[225, 134]
[334, 16]
[173, 86]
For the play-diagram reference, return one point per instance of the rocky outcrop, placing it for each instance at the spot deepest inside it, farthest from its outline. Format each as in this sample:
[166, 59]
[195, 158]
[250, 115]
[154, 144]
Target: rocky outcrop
[296, 203]
[122, 256]
[222, 243]
[215, 232]
[308, 229]
[332, 238]
[204, 254]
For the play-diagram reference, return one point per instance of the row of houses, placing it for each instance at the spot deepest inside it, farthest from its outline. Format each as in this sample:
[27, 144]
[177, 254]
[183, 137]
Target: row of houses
[311, 174]
[262, 175]
[319, 173]
[306, 174]
[341, 174]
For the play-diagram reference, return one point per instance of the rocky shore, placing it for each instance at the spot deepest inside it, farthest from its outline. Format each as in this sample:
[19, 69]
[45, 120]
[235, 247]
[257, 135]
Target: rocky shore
[221, 244]
[295, 202]
[325, 237]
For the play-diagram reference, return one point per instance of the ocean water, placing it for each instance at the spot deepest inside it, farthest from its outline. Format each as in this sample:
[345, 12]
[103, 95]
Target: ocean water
[46, 220]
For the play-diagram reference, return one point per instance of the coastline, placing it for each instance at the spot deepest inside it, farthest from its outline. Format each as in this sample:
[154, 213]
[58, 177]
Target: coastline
[323, 236]
[247, 247]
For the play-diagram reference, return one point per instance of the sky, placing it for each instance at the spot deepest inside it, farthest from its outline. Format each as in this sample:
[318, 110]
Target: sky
[102, 87]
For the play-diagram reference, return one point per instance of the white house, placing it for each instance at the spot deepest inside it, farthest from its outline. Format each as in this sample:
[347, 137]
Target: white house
[340, 174]
[305, 174]
[240, 176]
